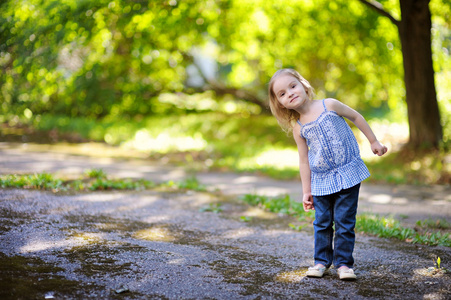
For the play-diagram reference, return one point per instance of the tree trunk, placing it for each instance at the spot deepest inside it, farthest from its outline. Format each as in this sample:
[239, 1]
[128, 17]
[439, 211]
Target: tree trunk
[423, 112]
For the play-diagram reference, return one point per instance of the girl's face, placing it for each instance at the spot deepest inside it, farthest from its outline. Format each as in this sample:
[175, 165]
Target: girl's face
[290, 92]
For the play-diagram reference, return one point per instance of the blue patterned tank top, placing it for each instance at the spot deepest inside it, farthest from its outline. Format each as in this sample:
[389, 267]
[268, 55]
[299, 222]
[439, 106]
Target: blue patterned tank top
[333, 155]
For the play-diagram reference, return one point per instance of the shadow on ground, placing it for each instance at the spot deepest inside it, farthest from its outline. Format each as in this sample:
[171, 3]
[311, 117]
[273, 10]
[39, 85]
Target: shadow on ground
[159, 245]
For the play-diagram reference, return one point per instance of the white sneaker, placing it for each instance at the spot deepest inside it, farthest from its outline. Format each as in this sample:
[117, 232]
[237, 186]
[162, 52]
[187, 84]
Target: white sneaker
[346, 273]
[316, 271]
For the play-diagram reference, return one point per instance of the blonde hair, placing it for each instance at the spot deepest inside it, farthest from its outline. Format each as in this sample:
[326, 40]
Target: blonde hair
[287, 117]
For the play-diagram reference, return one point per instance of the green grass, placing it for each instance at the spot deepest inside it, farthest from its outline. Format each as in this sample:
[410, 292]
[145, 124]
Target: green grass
[96, 173]
[434, 224]
[428, 232]
[190, 183]
[119, 184]
[92, 180]
[388, 227]
[240, 143]
[42, 181]
[283, 204]
[413, 167]
[212, 207]
[384, 227]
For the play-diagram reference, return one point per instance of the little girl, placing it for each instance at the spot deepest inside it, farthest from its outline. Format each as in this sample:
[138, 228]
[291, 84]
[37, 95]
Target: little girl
[330, 165]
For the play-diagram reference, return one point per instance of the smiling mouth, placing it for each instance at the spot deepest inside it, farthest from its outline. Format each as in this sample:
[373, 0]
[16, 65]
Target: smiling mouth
[293, 99]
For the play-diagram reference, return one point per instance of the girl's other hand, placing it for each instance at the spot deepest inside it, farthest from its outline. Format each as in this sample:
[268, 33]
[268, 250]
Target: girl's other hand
[378, 148]
[307, 201]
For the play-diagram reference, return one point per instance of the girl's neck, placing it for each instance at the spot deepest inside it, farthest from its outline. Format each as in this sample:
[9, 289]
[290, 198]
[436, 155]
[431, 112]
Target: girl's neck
[310, 111]
[306, 107]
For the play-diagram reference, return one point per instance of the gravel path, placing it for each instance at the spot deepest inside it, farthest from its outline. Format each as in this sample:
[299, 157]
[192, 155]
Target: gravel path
[160, 245]
[412, 203]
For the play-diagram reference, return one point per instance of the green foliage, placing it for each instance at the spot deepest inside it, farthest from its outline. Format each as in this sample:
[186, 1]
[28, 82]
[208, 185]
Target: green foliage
[119, 184]
[434, 224]
[42, 181]
[219, 137]
[212, 207]
[385, 227]
[283, 204]
[218, 140]
[246, 218]
[388, 227]
[95, 179]
[191, 183]
[94, 58]
[412, 167]
[297, 227]
[117, 58]
[96, 173]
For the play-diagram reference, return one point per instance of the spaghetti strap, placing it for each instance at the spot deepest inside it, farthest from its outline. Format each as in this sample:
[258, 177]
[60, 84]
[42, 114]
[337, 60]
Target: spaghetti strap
[324, 105]
[299, 122]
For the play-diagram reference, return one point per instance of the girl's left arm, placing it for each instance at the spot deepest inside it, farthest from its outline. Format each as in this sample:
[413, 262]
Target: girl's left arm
[359, 121]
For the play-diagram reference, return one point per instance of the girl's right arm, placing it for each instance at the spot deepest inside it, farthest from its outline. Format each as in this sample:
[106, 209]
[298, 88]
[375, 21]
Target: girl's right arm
[304, 169]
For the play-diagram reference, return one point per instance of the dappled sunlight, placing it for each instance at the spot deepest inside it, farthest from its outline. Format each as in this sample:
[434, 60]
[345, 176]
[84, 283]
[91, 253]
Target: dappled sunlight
[238, 233]
[157, 234]
[392, 135]
[42, 245]
[177, 261]
[138, 203]
[259, 213]
[103, 152]
[203, 101]
[176, 174]
[422, 272]
[291, 276]
[400, 200]
[273, 191]
[157, 219]
[278, 158]
[164, 142]
[433, 272]
[99, 197]
[246, 179]
[438, 202]
[79, 239]
[380, 199]
[198, 199]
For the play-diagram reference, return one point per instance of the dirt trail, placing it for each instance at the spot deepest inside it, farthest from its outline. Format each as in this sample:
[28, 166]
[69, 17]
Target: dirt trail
[160, 245]
[412, 203]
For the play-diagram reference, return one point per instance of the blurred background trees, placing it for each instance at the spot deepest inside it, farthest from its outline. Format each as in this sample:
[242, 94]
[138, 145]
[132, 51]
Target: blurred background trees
[414, 29]
[111, 59]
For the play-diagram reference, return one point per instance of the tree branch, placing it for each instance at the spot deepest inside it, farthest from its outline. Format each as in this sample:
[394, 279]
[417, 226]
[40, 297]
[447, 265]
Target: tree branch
[222, 90]
[380, 9]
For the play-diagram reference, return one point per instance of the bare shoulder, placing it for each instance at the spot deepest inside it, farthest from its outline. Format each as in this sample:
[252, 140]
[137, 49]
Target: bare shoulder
[341, 109]
[301, 143]
[332, 104]
[297, 132]
[296, 129]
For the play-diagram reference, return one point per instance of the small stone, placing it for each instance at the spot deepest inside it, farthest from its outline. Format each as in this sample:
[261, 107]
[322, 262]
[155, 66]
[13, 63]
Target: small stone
[121, 290]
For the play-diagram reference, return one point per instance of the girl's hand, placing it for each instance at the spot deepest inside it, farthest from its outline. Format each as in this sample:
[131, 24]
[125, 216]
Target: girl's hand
[378, 148]
[307, 202]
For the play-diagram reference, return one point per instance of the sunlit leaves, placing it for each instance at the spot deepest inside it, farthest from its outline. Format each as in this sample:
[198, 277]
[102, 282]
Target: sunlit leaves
[114, 57]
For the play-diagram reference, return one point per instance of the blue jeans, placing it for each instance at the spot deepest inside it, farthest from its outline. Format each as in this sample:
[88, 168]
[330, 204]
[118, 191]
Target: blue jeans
[340, 209]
